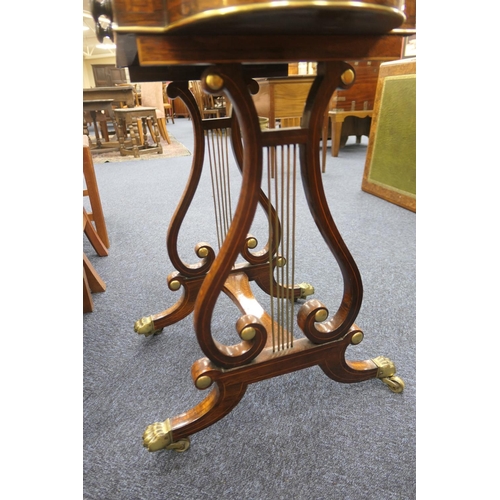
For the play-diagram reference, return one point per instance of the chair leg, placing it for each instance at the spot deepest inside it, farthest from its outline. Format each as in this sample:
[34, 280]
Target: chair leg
[92, 282]
[88, 303]
[93, 237]
[104, 130]
[95, 282]
[92, 192]
[140, 132]
[169, 112]
[336, 135]
[162, 127]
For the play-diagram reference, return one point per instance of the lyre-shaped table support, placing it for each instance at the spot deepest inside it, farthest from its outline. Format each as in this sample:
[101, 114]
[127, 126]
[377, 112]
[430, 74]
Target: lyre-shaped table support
[259, 354]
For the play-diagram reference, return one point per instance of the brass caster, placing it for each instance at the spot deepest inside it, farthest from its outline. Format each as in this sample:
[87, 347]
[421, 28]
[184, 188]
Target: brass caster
[158, 436]
[386, 373]
[395, 384]
[145, 326]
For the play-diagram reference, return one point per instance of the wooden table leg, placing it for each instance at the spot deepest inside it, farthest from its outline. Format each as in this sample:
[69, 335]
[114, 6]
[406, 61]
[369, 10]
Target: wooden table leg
[336, 135]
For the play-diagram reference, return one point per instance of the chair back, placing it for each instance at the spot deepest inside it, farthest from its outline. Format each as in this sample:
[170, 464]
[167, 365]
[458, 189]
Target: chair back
[152, 96]
[205, 101]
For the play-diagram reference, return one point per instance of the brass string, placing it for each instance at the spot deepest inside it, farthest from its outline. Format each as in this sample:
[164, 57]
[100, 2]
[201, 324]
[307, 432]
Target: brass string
[223, 180]
[217, 151]
[282, 253]
[225, 148]
[289, 259]
[279, 203]
[270, 168]
[220, 170]
[282, 190]
[213, 177]
[294, 218]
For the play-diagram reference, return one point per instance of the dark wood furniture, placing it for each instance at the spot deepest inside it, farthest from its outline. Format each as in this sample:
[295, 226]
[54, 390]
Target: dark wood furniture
[179, 109]
[108, 75]
[256, 41]
[121, 95]
[100, 111]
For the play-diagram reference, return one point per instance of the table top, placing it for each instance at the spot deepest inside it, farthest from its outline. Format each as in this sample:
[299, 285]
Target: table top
[97, 104]
[137, 109]
[118, 89]
[94, 101]
[177, 40]
[259, 17]
[118, 94]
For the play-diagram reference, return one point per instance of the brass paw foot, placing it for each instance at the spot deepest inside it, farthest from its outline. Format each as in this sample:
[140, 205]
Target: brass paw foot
[386, 371]
[305, 290]
[158, 436]
[145, 326]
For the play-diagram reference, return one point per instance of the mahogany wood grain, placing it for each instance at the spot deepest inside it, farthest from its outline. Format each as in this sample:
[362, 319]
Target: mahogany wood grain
[156, 50]
[230, 385]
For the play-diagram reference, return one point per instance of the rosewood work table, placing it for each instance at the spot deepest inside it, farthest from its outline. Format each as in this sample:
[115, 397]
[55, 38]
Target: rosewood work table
[227, 46]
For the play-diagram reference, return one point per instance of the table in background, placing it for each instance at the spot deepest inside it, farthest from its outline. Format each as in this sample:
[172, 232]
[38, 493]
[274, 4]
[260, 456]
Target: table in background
[105, 108]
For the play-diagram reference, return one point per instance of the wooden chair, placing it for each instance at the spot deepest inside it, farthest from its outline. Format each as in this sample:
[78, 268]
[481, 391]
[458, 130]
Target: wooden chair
[167, 104]
[205, 102]
[92, 191]
[94, 238]
[152, 96]
[92, 282]
[94, 227]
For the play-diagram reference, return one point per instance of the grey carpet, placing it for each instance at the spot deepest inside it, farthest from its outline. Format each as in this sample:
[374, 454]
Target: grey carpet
[300, 436]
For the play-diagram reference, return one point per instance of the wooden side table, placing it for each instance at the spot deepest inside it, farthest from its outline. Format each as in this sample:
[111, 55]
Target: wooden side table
[135, 122]
[337, 118]
[266, 336]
